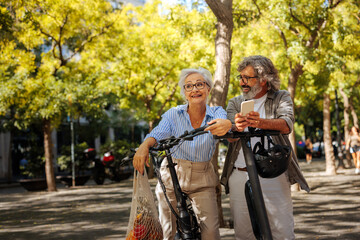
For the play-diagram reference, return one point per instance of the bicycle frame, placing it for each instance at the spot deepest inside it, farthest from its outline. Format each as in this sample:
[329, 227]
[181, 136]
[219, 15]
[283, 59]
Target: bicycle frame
[186, 222]
[187, 225]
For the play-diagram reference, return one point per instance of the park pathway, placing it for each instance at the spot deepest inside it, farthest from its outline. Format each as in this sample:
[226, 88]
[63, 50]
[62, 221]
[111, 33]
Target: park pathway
[330, 211]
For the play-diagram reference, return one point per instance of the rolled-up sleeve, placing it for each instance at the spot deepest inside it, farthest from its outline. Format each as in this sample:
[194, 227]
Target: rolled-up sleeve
[162, 130]
[232, 110]
[285, 110]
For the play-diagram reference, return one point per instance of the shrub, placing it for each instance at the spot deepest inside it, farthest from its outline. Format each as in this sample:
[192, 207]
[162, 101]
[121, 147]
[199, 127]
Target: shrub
[119, 148]
[35, 163]
[81, 163]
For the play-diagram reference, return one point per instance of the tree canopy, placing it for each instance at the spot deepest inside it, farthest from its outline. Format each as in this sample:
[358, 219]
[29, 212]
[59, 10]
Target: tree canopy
[78, 57]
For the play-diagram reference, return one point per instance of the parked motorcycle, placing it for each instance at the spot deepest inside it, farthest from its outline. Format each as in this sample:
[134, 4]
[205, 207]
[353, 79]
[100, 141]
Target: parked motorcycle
[107, 167]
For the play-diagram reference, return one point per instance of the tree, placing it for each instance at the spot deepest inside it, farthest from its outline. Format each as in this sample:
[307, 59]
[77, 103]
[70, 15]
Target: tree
[343, 59]
[303, 45]
[55, 34]
[160, 41]
[15, 65]
[223, 12]
[158, 47]
[329, 153]
[301, 27]
[347, 48]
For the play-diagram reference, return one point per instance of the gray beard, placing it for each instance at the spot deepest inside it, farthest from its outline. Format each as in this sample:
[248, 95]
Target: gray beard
[253, 91]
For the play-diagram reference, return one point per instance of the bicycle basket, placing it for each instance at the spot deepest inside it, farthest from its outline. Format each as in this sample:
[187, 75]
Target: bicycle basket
[271, 162]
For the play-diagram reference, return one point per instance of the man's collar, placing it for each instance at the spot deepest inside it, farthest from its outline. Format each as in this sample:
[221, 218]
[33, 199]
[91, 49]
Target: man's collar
[270, 94]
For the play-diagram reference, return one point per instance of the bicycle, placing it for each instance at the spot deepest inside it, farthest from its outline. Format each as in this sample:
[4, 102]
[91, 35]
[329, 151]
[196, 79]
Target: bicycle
[187, 225]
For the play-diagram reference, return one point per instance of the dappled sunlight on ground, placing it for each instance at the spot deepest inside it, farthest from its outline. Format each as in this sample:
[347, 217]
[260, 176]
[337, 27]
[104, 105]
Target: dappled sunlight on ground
[330, 211]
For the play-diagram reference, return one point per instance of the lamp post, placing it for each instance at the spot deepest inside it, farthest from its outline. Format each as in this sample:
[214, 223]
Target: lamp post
[72, 151]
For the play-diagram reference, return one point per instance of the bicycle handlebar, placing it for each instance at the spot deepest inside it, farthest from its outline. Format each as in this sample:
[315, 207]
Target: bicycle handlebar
[167, 143]
[186, 136]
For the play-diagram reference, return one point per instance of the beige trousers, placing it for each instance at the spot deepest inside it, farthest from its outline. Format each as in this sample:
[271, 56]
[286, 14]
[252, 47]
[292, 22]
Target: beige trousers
[198, 181]
[278, 203]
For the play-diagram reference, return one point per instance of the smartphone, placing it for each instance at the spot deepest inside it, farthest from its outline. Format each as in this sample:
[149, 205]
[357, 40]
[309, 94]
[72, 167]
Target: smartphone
[246, 107]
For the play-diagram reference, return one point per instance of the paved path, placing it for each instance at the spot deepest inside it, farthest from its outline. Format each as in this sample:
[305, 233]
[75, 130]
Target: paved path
[330, 211]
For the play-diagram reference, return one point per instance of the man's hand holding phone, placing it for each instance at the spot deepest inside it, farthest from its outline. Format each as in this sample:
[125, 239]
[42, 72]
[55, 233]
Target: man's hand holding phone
[247, 117]
[253, 119]
[240, 122]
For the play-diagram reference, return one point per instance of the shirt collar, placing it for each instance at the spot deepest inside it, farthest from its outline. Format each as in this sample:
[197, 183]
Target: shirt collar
[270, 94]
[183, 108]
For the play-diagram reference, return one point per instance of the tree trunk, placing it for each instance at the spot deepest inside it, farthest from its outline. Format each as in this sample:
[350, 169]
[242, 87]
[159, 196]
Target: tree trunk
[223, 61]
[346, 124]
[353, 114]
[222, 9]
[49, 168]
[329, 152]
[292, 82]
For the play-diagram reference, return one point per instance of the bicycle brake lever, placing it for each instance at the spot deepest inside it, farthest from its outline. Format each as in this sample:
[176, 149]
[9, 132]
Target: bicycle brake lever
[184, 134]
[191, 137]
[200, 129]
[166, 139]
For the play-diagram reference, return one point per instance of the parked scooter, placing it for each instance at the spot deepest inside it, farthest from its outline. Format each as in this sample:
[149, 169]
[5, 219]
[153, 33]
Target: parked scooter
[107, 167]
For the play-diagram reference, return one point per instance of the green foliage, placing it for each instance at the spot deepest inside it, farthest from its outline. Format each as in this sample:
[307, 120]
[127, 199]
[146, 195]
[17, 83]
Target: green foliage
[119, 148]
[41, 70]
[157, 46]
[323, 38]
[78, 57]
[81, 163]
[35, 167]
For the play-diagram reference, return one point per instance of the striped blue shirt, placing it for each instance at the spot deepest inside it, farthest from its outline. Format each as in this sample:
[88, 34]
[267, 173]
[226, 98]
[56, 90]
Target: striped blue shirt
[176, 121]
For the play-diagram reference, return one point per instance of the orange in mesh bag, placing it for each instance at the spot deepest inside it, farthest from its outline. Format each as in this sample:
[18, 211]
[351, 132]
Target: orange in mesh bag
[144, 219]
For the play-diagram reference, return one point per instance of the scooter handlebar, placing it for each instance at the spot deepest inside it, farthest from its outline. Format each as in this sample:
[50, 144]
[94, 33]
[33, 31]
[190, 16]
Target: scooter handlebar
[255, 133]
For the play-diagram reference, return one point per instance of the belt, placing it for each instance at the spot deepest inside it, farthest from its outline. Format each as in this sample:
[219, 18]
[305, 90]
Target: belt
[241, 169]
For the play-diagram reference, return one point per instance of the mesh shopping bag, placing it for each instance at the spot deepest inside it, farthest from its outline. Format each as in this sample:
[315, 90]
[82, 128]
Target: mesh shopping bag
[144, 219]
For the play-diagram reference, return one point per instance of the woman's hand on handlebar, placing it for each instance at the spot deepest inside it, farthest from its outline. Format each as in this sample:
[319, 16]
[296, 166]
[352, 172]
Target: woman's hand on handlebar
[141, 156]
[220, 126]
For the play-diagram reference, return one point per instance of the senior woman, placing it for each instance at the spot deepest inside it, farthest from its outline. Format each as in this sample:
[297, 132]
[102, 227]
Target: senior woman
[196, 174]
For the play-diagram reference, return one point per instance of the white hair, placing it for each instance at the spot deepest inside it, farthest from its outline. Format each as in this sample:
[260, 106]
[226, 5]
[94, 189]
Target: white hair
[264, 69]
[186, 72]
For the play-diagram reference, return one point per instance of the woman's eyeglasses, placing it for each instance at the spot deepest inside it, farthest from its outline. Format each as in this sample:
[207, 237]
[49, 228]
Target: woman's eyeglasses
[199, 85]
